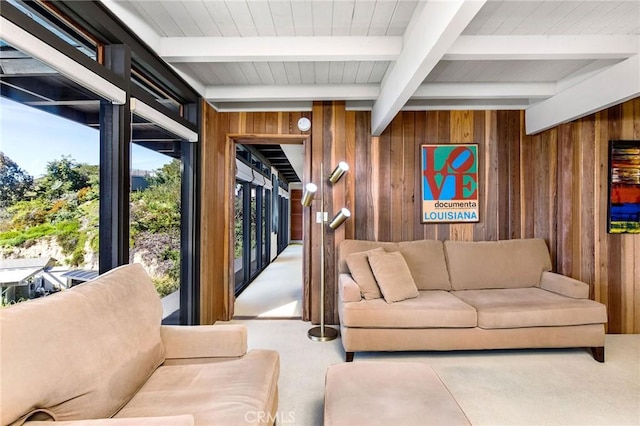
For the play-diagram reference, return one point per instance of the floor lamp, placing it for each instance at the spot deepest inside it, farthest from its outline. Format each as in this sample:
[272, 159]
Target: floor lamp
[323, 333]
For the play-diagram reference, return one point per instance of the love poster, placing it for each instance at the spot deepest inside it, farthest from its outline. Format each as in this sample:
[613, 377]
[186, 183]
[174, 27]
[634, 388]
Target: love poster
[624, 187]
[449, 183]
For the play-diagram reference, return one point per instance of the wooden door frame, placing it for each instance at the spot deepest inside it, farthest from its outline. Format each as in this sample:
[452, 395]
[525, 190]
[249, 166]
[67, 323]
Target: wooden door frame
[268, 139]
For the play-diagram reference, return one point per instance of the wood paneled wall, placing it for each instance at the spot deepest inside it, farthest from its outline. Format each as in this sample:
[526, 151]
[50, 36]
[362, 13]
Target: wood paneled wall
[551, 185]
[215, 219]
[333, 139]
[565, 175]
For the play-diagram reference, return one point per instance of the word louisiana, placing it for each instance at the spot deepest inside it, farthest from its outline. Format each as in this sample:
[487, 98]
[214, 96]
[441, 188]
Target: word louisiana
[451, 216]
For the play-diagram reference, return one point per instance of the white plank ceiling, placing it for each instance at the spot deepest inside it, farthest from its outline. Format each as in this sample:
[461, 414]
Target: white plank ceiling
[386, 55]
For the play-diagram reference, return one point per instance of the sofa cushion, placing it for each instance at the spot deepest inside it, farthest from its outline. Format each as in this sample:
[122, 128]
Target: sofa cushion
[346, 247]
[432, 308]
[393, 276]
[222, 393]
[497, 264]
[427, 263]
[530, 307]
[360, 269]
[81, 353]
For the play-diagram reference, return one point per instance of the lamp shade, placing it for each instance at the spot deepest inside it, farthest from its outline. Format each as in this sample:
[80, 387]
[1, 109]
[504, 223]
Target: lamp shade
[339, 219]
[337, 173]
[309, 193]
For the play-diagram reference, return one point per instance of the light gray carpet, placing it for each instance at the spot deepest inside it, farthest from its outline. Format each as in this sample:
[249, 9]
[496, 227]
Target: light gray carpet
[277, 291]
[515, 387]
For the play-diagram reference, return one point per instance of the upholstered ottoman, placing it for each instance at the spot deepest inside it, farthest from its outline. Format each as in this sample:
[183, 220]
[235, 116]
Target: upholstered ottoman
[386, 393]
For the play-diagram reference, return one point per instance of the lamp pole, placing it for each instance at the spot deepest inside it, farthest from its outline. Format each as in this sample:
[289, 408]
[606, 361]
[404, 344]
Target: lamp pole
[322, 333]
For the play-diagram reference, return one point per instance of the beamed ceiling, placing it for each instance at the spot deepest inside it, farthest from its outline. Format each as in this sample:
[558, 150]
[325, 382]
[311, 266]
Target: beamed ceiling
[558, 60]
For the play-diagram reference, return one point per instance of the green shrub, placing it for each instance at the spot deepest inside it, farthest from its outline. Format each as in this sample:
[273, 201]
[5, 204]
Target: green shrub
[68, 236]
[165, 285]
[17, 238]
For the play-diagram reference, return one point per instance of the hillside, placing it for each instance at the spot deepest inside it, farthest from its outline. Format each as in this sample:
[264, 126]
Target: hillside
[57, 216]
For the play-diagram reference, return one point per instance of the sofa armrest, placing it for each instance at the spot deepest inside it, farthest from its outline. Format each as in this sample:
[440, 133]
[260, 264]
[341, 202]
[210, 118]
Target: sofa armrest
[564, 285]
[204, 341]
[182, 420]
[348, 289]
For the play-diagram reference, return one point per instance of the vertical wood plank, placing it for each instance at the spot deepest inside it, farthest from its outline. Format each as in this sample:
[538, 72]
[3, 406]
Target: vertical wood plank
[328, 143]
[615, 295]
[552, 195]
[514, 174]
[260, 122]
[350, 179]
[528, 185]
[479, 134]
[384, 189]
[503, 175]
[419, 138]
[271, 123]
[587, 202]
[317, 143]
[565, 194]
[363, 197]
[338, 153]
[491, 177]
[599, 291]
[373, 232]
[408, 188]
[396, 174]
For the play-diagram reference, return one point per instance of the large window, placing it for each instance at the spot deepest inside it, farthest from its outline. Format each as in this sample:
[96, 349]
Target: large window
[49, 179]
[155, 221]
[119, 182]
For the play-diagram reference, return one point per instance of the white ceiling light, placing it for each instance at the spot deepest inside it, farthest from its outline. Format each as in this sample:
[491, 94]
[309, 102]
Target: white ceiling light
[304, 124]
[31, 45]
[156, 117]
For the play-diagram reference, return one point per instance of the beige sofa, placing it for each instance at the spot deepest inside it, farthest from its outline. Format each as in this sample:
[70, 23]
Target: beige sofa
[98, 351]
[430, 295]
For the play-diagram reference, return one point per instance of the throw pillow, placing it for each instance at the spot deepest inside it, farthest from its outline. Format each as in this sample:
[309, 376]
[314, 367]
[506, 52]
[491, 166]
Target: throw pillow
[358, 265]
[393, 276]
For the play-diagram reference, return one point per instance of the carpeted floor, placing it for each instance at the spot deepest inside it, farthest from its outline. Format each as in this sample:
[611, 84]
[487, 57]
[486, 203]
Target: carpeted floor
[277, 291]
[515, 387]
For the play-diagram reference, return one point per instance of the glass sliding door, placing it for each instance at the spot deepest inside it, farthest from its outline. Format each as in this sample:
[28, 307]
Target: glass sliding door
[253, 215]
[253, 233]
[264, 222]
[238, 232]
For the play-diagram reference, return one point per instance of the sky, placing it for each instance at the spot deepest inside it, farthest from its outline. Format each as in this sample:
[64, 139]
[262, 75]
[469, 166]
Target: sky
[32, 138]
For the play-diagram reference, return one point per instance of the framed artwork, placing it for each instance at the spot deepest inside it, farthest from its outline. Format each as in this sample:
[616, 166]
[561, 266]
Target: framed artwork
[449, 183]
[624, 187]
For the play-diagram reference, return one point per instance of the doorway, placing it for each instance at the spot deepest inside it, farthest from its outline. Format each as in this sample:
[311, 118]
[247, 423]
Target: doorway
[268, 242]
